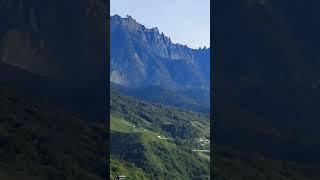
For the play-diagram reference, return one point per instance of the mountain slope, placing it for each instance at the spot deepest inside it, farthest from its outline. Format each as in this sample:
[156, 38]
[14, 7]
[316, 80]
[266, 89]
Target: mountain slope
[267, 90]
[229, 164]
[62, 44]
[191, 99]
[143, 57]
[41, 142]
[56, 39]
[157, 139]
[173, 122]
[51, 56]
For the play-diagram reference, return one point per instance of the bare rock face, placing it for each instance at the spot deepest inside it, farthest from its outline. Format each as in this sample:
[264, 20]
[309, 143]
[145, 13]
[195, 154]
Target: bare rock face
[56, 50]
[145, 57]
[60, 39]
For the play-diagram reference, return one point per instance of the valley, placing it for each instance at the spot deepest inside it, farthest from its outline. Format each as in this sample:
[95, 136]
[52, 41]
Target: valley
[153, 139]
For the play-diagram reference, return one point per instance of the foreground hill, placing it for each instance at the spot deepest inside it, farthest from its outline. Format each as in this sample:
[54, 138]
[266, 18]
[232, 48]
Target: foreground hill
[41, 142]
[157, 140]
[229, 164]
[138, 152]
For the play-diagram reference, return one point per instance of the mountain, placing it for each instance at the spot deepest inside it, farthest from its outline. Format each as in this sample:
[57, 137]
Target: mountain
[52, 90]
[61, 42]
[267, 92]
[155, 84]
[55, 92]
[142, 57]
[152, 141]
[54, 39]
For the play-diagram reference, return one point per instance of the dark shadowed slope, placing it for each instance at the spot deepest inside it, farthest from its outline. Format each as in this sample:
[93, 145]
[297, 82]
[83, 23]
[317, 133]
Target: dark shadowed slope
[191, 99]
[267, 91]
[41, 142]
[54, 38]
[229, 164]
[52, 89]
[63, 41]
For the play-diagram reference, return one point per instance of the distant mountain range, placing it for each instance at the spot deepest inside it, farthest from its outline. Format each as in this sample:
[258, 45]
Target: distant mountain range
[142, 57]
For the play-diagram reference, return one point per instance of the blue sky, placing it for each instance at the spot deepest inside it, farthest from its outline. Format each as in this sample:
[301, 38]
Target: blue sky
[185, 21]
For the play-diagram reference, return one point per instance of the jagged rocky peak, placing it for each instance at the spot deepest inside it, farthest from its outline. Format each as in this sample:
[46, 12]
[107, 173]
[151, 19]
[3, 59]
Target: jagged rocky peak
[141, 56]
[155, 29]
[130, 18]
[116, 18]
[204, 48]
[155, 35]
[128, 22]
[159, 43]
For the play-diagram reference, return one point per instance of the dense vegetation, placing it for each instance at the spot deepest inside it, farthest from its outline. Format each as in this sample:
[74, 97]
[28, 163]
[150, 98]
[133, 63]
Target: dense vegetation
[267, 94]
[123, 167]
[173, 122]
[135, 143]
[40, 142]
[51, 53]
[231, 165]
[188, 99]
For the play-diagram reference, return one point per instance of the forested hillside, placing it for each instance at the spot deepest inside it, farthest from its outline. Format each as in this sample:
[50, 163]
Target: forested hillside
[42, 142]
[157, 140]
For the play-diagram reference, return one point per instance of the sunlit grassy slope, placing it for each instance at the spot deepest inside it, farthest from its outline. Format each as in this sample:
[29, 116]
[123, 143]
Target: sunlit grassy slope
[156, 142]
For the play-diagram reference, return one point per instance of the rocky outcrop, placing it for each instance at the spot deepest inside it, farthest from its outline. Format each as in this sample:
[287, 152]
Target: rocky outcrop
[144, 57]
[60, 39]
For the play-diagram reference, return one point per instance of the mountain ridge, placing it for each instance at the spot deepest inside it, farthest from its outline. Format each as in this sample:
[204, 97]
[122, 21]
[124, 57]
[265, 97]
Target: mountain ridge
[143, 57]
[155, 29]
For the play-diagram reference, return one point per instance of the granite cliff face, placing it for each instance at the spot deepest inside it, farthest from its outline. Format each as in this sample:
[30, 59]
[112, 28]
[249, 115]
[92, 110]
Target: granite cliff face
[52, 89]
[58, 39]
[64, 43]
[145, 57]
